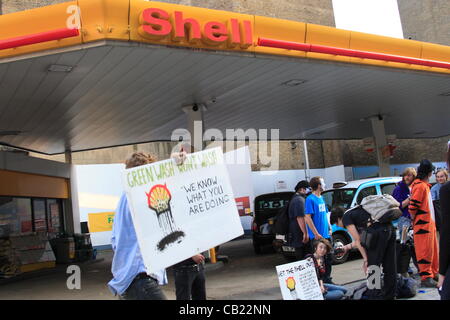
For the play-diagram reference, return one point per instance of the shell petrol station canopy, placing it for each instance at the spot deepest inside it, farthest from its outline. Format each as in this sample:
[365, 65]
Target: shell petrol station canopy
[119, 72]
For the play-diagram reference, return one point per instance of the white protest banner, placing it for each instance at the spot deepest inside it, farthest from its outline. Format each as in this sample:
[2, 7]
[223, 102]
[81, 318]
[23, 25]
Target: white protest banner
[180, 211]
[298, 281]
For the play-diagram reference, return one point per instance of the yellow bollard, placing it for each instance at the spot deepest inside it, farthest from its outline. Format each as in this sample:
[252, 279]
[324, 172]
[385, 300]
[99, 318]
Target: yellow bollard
[212, 255]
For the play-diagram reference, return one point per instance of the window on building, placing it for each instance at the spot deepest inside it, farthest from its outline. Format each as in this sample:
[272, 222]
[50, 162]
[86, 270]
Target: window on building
[54, 216]
[39, 219]
[15, 216]
[25, 215]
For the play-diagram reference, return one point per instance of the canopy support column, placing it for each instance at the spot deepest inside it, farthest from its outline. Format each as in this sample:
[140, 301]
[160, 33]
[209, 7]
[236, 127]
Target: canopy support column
[305, 152]
[195, 127]
[71, 211]
[379, 134]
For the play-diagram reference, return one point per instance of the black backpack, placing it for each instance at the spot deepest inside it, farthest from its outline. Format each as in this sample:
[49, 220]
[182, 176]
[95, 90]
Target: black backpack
[406, 287]
[357, 293]
[281, 225]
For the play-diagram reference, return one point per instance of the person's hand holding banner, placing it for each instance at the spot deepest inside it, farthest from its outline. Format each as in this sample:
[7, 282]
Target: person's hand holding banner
[179, 157]
[198, 258]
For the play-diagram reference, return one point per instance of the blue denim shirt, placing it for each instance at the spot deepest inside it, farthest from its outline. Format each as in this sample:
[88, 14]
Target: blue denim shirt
[435, 191]
[127, 261]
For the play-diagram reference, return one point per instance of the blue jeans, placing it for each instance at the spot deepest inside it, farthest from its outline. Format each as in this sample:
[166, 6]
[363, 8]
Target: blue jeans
[334, 292]
[403, 222]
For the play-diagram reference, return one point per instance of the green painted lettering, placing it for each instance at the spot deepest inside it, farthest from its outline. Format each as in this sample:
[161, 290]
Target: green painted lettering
[130, 182]
[135, 180]
[149, 174]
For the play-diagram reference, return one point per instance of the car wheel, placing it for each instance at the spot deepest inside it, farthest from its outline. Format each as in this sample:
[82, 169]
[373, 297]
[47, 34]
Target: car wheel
[340, 240]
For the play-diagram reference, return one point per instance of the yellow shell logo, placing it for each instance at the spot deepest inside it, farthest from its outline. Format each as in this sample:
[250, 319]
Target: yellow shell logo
[290, 283]
[159, 201]
[159, 198]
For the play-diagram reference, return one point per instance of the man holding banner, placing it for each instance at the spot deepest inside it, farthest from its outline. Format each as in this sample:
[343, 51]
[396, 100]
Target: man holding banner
[171, 211]
[131, 281]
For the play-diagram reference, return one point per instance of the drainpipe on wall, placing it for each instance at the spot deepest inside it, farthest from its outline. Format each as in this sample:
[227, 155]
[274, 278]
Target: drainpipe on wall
[305, 151]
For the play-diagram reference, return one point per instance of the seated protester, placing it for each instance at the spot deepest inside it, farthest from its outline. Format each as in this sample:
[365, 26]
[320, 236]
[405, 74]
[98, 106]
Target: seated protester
[376, 241]
[321, 248]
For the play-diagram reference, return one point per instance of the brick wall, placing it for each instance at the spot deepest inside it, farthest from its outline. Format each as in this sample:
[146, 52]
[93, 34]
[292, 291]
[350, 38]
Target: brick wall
[9, 6]
[427, 21]
[312, 11]
[351, 152]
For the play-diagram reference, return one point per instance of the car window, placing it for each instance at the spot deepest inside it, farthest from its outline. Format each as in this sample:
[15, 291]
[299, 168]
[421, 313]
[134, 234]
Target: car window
[271, 204]
[387, 188]
[369, 191]
[276, 204]
[338, 197]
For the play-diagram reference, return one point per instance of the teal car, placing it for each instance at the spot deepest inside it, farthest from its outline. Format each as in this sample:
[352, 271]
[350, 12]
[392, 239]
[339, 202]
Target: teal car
[349, 195]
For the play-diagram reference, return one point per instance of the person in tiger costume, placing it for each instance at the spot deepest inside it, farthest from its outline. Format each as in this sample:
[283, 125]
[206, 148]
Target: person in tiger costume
[424, 226]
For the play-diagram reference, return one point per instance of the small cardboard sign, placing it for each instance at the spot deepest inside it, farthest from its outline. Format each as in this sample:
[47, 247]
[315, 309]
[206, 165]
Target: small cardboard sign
[298, 281]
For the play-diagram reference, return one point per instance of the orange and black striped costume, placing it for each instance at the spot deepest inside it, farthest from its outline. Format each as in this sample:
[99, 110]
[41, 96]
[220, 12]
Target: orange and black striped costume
[425, 241]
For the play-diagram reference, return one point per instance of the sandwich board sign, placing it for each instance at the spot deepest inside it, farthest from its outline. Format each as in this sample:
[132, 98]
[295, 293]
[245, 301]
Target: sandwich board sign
[298, 281]
[179, 211]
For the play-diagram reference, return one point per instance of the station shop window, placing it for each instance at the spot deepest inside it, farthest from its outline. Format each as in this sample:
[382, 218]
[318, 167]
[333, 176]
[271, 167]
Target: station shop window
[39, 215]
[25, 215]
[54, 216]
[15, 216]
